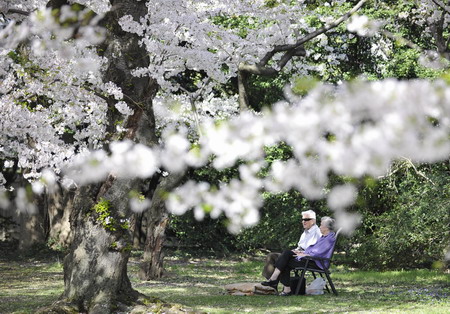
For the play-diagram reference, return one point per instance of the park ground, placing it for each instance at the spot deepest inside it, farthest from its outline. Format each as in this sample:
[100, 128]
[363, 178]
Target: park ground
[197, 285]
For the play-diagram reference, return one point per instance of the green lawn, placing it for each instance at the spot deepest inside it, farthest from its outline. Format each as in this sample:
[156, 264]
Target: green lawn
[198, 284]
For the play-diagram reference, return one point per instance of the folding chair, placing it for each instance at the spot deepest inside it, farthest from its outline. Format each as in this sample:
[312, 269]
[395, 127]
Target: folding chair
[311, 267]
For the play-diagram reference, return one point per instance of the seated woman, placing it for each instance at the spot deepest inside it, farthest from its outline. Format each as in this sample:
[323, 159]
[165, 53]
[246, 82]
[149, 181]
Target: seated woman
[289, 260]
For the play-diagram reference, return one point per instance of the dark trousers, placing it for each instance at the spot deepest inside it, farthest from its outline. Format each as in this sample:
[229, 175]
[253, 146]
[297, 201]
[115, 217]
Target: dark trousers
[287, 262]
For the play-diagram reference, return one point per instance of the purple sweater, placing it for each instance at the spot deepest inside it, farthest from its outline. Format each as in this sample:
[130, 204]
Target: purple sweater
[323, 248]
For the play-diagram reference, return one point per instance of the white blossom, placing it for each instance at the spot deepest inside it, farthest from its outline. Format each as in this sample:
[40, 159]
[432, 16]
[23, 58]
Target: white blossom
[341, 196]
[362, 25]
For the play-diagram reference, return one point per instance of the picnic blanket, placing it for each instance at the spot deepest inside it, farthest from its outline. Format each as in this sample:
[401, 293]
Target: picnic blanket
[249, 288]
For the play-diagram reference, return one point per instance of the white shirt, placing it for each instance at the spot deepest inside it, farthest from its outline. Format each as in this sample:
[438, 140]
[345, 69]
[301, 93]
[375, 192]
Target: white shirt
[309, 237]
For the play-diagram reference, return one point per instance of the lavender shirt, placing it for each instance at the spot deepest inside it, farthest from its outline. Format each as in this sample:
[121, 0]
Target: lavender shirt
[323, 248]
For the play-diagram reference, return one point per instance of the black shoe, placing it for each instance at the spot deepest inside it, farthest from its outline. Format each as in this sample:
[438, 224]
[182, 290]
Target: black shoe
[270, 283]
[285, 294]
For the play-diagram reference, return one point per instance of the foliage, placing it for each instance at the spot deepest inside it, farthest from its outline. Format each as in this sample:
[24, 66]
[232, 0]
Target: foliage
[208, 236]
[280, 222]
[104, 215]
[406, 219]
[103, 210]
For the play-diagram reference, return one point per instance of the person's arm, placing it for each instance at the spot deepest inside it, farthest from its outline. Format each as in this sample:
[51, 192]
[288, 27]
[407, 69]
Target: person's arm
[300, 242]
[322, 248]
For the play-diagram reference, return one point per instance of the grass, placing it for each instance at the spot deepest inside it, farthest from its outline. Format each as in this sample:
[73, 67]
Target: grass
[196, 283]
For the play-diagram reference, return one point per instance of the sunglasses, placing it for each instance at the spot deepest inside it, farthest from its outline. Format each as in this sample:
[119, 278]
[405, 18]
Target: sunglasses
[307, 219]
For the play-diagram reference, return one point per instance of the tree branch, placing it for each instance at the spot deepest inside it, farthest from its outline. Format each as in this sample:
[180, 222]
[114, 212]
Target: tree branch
[332, 25]
[442, 6]
[17, 11]
[290, 51]
[294, 49]
[242, 87]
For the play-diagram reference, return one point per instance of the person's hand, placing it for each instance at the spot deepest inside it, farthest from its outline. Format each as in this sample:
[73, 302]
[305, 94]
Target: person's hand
[298, 253]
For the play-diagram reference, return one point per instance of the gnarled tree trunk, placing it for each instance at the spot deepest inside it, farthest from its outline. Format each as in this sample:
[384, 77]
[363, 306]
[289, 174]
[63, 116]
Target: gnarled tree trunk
[95, 269]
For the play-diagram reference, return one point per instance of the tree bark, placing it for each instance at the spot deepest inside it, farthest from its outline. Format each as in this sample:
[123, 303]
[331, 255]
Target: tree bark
[157, 221]
[95, 269]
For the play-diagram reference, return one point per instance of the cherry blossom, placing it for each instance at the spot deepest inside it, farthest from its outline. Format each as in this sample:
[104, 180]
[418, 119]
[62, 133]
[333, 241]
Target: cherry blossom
[54, 110]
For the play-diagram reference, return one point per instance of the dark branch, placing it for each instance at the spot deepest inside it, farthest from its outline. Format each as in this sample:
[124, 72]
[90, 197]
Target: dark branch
[334, 24]
[442, 5]
[18, 11]
[295, 49]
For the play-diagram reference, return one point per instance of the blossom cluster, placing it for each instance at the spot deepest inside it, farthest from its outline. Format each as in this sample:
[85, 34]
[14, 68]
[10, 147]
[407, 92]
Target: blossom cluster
[353, 130]
[53, 107]
[51, 92]
[209, 35]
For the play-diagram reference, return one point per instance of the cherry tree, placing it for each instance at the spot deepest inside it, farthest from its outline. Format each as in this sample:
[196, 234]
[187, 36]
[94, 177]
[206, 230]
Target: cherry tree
[81, 100]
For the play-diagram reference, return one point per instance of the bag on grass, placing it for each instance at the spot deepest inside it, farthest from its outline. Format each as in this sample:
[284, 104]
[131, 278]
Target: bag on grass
[294, 282]
[316, 286]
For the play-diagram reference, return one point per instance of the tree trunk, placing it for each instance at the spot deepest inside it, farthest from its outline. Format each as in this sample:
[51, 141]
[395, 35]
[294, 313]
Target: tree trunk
[95, 269]
[59, 208]
[157, 221]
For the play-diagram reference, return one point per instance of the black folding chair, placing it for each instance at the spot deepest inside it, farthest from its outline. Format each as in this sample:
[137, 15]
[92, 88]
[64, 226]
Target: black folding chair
[313, 268]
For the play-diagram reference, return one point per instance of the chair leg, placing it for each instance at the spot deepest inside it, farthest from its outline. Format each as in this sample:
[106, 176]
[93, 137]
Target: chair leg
[302, 277]
[326, 286]
[331, 284]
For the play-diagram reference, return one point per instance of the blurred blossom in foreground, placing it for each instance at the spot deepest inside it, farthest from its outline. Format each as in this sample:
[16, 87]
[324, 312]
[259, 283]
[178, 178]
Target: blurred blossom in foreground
[363, 26]
[126, 160]
[23, 202]
[138, 205]
[433, 60]
[341, 196]
[353, 130]
[347, 222]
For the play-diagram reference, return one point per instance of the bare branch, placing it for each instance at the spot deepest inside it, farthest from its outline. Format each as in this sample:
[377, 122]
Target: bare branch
[257, 69]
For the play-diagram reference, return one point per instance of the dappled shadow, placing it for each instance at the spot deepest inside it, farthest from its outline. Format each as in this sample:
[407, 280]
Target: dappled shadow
[28, 285]
[25, 286]
[201, 285]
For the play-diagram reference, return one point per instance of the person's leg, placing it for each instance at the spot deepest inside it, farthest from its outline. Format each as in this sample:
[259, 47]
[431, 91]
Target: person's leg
[280, 265]
[283, 259]
[285, 275]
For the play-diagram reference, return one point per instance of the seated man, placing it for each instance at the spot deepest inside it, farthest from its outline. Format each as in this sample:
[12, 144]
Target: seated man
[289, 260]
[309, 237]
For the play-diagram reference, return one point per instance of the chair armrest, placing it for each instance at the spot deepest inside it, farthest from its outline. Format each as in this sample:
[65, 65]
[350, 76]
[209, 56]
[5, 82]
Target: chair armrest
[316, 258]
